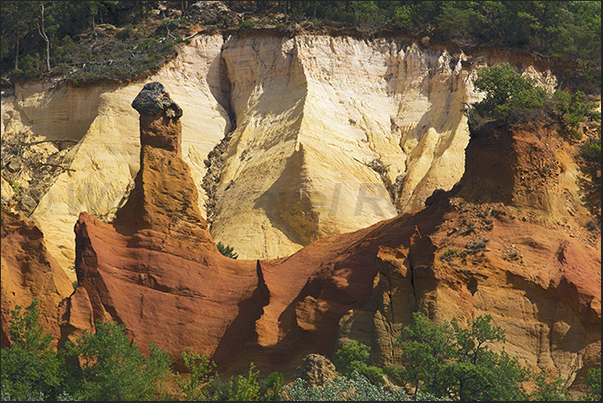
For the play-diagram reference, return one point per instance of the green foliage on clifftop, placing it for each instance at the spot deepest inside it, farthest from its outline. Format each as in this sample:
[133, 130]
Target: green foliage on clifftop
[91, 40]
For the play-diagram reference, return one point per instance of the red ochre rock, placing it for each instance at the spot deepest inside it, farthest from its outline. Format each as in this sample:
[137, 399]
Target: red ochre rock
[28, 272]
[157, 270]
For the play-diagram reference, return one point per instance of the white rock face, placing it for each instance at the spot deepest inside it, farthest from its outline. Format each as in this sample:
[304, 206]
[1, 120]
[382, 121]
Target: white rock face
[106, 157]
[332, 134]
[314, 113]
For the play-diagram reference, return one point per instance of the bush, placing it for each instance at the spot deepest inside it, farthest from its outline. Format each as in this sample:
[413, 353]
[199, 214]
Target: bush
[113, 368]
[202, 373]
[247, 24]
[593, 385]
[353, 388]
[352, 358]
[227, 250]
[244, 388]
[506, 91]
[573, 109]
[31, 368]
[548, 389]
[271, 386]
[592, 149]
[450, 252]
[125, 33]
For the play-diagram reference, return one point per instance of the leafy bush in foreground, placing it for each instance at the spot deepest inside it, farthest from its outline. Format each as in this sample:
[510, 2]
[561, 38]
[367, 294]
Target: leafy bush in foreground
[355, 388]
[31, 368]
[113, 368]
[456, 362]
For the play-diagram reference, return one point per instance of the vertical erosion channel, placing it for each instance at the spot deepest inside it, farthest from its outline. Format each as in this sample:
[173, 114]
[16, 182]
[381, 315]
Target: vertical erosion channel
[215, 159]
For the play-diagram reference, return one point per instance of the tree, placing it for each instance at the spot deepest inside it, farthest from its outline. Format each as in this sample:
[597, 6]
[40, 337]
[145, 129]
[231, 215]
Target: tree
[456, 362]
[31, 368]
[113, 368]
[42, 31]
[479, 373]
[506, 91]
[425, 346]
[352, 357]
[17, 17]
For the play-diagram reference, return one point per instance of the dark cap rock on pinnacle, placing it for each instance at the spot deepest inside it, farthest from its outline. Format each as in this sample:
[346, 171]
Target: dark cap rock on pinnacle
[153, 99]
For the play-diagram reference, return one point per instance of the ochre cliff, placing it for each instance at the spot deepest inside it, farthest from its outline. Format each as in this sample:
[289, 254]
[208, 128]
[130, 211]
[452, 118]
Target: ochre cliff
[102, 159]
[519, 253]
[28, 272]
[510, 242]
[155, 268]
[305, 148]
[327, 134]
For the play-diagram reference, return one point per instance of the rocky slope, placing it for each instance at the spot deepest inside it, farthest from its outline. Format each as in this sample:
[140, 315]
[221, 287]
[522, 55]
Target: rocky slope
[519, 253]
[327, 134]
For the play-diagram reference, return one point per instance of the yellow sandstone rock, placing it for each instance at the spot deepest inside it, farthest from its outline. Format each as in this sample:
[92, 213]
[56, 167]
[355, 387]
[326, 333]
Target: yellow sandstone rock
[332, 134]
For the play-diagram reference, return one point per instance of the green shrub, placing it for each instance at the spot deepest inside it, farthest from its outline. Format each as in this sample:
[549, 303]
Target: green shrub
[593, 385]
[244, 388]
[237, 388]
[270, 387]
[592, 149]
[227, 250]
[355, 388]
[31, 368]
[125, 33]
[450, 252]
[195, 385]
[506, 91]
[247, 24]
[113, 368]
[573, 109]
[352, 357]
[548, 389]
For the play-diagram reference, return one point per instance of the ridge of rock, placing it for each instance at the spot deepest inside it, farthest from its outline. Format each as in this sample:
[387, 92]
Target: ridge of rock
[155, 265]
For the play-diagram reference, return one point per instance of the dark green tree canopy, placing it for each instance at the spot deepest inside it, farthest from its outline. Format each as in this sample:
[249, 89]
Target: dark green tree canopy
[567, 30]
